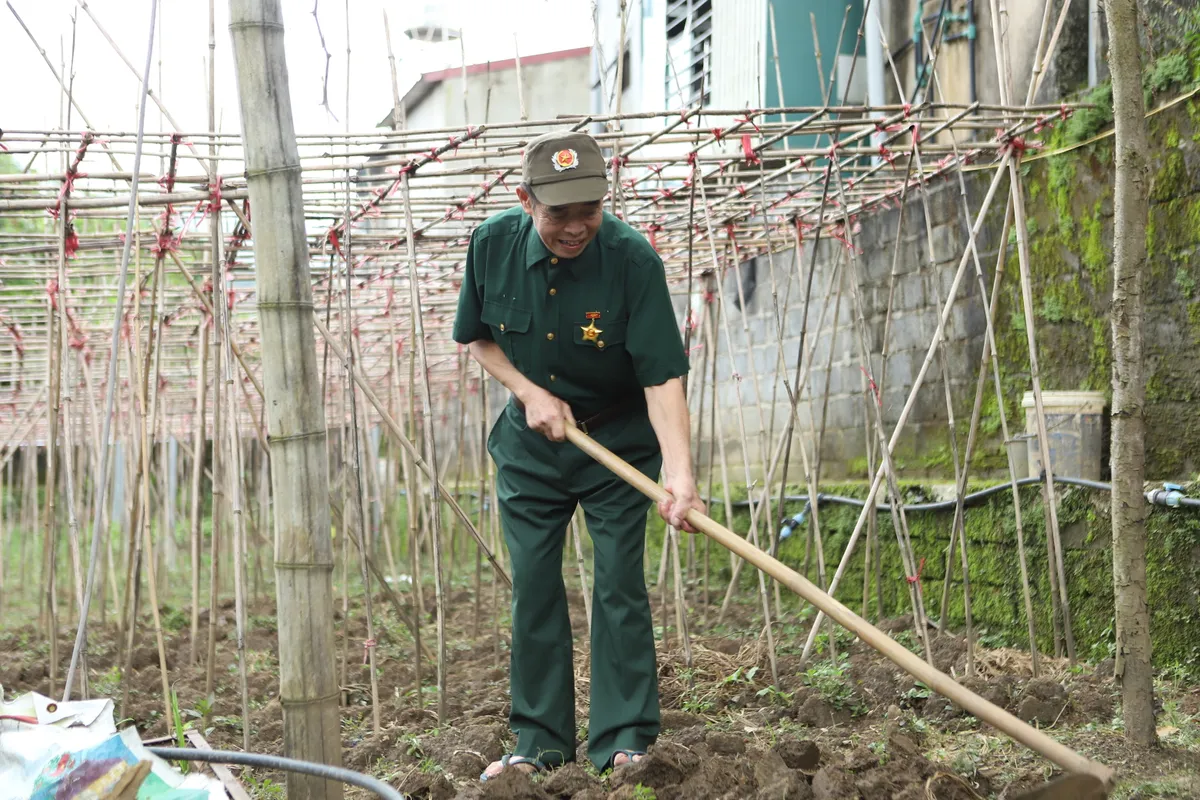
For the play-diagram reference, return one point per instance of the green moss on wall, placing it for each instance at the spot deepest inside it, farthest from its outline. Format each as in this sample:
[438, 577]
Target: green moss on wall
[1070, 223]
[998, 611]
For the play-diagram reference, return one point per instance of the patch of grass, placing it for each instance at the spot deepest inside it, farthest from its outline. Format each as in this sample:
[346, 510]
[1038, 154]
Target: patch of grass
[831, 681]
[641, 792]
[263, 788]
[1151, 789]
[107, 683]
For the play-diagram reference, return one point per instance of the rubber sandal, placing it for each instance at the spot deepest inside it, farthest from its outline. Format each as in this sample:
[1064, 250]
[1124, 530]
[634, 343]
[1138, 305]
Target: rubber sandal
[509, 759]
[629, 753]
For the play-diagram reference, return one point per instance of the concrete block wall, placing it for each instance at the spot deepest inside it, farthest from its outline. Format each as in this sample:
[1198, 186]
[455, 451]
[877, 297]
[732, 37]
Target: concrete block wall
[902, 257]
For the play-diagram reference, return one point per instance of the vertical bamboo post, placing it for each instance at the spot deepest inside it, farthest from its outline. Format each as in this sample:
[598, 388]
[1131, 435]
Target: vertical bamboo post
[295, 416]
[101, 483]
[1023, 258]
[481, 464]
[197, 507]
[412, 510]
[216, 514]
[50, 533]
[430, 448]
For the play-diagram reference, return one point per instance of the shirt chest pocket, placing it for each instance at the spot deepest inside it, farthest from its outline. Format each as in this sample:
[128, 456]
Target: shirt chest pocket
[510, 328]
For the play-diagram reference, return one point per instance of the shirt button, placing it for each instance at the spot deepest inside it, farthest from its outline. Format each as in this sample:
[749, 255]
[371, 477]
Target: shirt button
[553, 378]
[554, 261]
[501, 326]
[550, 336]
[553, 292]
[600, 344]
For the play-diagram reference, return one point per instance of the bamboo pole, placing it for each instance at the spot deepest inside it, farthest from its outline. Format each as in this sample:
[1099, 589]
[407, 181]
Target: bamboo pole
[233, 474]
[295, 420]
[412, 484]
[358, 486]
[1049, 498]
[101, 484]
[430, 452]
[219, 465]
[196, 510]
[481, 455]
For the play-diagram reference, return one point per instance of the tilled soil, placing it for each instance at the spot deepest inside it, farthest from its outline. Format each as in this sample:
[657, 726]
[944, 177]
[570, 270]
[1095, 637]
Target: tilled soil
[863, 729]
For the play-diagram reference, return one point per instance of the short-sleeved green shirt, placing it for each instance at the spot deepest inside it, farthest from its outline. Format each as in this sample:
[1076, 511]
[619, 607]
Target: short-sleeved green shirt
[591, 330]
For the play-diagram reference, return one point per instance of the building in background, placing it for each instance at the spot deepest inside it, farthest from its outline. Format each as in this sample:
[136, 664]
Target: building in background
[732, 54]
[551, 84]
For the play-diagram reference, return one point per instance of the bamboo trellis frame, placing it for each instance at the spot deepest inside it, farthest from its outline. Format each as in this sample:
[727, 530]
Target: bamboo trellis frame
[755, 193]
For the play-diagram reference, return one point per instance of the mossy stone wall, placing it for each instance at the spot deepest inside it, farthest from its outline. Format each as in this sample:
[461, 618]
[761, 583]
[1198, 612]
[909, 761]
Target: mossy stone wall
[1071, 216]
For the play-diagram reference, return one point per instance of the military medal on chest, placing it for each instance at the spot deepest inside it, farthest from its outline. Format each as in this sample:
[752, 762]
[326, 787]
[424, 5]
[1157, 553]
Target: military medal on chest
[590, 332]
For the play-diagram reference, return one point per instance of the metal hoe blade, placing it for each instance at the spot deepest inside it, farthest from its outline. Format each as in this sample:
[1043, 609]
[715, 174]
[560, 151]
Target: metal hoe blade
[1068, 787]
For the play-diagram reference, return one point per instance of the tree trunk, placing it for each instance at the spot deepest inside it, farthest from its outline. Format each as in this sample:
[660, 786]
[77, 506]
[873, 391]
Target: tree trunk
[1130, 215]
[295, 416]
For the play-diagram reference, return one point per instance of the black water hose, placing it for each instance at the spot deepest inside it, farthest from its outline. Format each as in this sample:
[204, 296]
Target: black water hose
[351, 777]
[1170, 495]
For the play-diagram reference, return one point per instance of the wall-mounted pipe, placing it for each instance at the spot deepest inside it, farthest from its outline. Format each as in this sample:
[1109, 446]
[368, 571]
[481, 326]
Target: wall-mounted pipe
[1171, 495]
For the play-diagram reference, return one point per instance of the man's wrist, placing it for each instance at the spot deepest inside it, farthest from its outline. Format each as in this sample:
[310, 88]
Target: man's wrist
[525, 391]
[678, 475]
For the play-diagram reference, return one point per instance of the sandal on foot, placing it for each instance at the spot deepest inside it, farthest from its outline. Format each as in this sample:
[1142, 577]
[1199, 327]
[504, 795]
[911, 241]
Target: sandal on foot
[628, 753]
[509, 759]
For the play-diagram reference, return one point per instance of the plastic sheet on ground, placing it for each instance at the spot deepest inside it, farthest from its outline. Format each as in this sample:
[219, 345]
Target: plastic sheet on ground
[73, 751]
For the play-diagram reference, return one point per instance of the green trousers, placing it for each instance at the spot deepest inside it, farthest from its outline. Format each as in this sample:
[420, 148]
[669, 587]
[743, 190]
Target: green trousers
[539, 483]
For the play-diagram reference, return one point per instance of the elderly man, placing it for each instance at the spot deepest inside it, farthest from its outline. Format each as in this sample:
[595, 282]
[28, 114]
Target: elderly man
[567, 306]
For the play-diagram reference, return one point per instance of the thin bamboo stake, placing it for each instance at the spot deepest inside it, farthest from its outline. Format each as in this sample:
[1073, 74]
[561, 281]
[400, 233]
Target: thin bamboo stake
[1023, 258]
[412, 513]
[196, 510]
[753, 535]
[458, 454]
[217, 513]
[234, 476]
[524, 115]
[358, 451]
[49, 531]
[482, 461]
[430, 451]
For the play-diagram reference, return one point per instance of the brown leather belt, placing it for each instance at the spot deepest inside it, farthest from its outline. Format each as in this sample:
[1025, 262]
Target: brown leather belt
[601, 417]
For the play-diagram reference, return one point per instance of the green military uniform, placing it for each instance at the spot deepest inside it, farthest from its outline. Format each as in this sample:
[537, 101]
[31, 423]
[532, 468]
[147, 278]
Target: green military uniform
[593, 330]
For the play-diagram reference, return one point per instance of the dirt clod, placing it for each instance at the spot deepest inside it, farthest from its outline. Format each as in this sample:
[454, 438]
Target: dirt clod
[427, 786]
[799, 754]
[860, 759]
[673, 720]
[664, 764]
[1042, 701]
[817, 713]
[567, 781]
[512, 784]
[776, 781]
[831, 783]
[724, 743]
[719, 778]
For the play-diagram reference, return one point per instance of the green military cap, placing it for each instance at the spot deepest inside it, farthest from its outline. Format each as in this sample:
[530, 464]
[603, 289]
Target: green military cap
[564, 167]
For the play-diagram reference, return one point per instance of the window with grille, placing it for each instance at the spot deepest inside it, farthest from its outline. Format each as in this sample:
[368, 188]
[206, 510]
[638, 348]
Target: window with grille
[689, 52]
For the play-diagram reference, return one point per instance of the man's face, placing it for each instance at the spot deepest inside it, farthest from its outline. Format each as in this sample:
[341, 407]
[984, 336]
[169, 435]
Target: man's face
[565, 230]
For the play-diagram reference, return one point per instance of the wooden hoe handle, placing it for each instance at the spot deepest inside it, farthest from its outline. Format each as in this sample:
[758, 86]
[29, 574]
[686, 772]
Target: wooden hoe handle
[936, 680]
